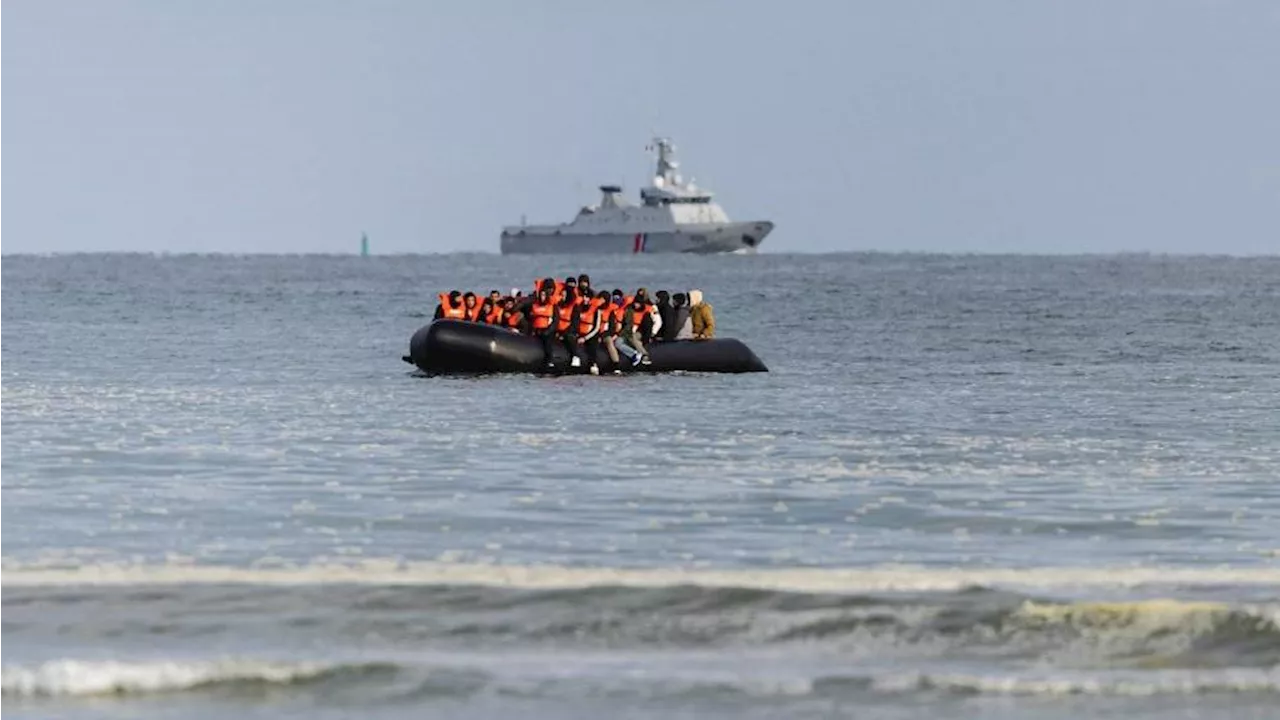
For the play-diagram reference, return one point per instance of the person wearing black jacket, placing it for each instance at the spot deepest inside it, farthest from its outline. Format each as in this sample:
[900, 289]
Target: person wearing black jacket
[666, 315]
[566, 326]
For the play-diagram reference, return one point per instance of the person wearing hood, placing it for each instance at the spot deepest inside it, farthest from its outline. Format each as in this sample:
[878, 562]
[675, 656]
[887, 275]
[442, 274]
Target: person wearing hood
[681, 327]
[619, 305]
[513, 318]
[650, 323]
[666, 316]
[610, 322]
[702, 316]
[566, 327]
[542, 322]
[451, 307]
[631, 342]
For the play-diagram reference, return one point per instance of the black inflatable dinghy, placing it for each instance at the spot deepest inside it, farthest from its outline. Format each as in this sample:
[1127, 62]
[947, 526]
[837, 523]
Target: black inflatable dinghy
[461, 347]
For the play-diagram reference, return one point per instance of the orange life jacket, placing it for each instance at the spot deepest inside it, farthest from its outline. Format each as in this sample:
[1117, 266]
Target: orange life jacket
[555, 294]
[542, 315]
[564, 316]
[495, 316]
[587, 316]
[615, 315]
[638, 317]
[453, 313]
[512, 320]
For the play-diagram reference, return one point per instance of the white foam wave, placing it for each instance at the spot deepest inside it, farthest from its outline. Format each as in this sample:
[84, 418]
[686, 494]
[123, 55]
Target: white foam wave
[1240, 680]
[61, 678]
[826, 580]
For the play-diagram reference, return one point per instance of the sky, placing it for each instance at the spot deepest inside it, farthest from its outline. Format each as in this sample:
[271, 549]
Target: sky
[294, 126]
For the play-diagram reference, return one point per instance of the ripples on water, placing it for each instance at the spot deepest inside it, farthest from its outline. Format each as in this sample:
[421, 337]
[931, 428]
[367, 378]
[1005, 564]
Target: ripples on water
[1051, 422]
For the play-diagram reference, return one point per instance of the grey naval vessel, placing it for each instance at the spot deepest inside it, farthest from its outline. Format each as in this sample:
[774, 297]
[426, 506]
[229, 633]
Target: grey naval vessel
[672, 217]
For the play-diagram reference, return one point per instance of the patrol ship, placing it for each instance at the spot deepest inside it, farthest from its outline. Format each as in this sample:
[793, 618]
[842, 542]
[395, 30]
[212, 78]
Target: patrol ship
[672, 217]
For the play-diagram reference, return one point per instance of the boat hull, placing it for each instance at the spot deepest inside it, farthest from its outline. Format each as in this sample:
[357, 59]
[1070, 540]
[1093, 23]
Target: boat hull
[458, 347]
[695, 239]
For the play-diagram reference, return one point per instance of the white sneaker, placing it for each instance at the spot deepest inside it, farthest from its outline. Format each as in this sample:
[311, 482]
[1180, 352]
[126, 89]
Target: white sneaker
[595, 369]
[616, 371]
[575, 362]
[635, 361]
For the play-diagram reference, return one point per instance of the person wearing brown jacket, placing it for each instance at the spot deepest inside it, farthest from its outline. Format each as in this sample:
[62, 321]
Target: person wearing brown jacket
[702, 316]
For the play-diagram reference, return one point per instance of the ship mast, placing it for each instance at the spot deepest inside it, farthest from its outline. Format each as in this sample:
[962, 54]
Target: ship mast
[665, 175]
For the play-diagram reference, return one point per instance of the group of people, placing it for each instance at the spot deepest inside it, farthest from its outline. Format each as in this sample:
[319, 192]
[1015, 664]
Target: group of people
[572, 313]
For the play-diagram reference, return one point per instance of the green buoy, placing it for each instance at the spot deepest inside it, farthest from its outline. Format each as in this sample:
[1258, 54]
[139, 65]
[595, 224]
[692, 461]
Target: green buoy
[364, 245]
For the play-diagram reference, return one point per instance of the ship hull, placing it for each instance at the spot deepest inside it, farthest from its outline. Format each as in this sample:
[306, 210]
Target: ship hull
[739, 237]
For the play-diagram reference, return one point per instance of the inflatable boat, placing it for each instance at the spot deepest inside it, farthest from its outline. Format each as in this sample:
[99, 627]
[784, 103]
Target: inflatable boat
[458, 347]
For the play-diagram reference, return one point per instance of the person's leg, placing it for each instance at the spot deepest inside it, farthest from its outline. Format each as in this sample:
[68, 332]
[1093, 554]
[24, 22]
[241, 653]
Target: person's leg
[620, 344]
[590, 347]
[570, 341]
[548, 336]
[638, 344]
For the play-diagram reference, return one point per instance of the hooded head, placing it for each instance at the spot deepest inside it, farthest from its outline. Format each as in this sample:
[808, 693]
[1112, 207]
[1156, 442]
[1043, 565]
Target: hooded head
[618, 296]
[663, 296]
[695, 297]
[678, 300]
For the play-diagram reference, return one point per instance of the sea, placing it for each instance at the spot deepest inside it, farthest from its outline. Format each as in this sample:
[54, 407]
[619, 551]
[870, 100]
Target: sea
[969, 486]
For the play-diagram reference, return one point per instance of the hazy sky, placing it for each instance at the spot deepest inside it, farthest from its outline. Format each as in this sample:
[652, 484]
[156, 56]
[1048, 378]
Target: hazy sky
[281, 126]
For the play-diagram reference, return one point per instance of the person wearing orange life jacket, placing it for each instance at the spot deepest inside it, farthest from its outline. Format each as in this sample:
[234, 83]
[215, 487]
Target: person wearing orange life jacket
[567, 317]
[472, 304]
[557, 288]
[631, 340]
[512, 318]
[609, 323]
[590, 327]
[617, 310]
[647, 320]
[569, 287]
[542, 322]
[451, 307]
[490, 312]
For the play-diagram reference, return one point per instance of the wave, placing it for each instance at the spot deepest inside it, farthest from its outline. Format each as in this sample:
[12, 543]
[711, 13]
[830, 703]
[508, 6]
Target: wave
[875, 614]
[542, 577]
[72, 678]
[1148, 633]
[1179, 683]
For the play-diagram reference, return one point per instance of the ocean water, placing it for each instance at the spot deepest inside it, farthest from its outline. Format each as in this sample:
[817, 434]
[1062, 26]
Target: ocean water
[991, 486]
